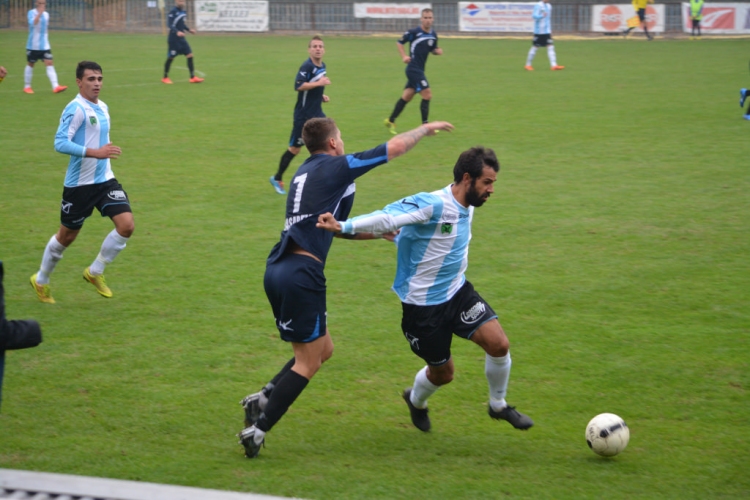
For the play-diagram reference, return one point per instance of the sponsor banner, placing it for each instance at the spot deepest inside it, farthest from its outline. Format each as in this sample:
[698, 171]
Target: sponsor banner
[719, 18]
[390, 10]
[234, 15]
[500, 16]
[614, 18]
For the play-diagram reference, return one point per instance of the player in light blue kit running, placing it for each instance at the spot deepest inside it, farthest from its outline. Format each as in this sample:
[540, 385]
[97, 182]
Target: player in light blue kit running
[436, 298]
[38, 48]
[89, 183]
[543, 35]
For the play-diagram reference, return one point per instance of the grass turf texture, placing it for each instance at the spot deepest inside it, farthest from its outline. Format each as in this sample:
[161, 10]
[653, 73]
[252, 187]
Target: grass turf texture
[615, 250]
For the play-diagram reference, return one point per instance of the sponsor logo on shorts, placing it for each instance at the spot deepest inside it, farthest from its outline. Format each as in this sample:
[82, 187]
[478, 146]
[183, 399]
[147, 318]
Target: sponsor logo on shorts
[65, 206]
[118, 195]
[282, 325]
[473, 314]
[424, 83]
[414, 341]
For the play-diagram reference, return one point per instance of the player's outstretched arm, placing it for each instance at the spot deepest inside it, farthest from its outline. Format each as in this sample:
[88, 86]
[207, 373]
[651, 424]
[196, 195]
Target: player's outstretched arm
[403, 143]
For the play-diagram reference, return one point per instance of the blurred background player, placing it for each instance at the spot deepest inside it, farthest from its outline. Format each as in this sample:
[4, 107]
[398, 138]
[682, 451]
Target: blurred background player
[743, 97]
[309, 85]
[38, 48]
[423, 41]
[640, 9]
[696, 14]
[177, 43]
[3, 74]
[89, 182]
[542, 35]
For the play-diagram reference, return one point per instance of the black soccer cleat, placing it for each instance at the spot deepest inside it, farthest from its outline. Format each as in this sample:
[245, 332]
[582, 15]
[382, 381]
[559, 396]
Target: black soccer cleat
[247, 439]
[516, 419]
[252, 404]
[419, 416]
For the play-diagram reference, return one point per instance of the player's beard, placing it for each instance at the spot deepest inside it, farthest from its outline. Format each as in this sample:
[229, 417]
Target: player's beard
[473, 196]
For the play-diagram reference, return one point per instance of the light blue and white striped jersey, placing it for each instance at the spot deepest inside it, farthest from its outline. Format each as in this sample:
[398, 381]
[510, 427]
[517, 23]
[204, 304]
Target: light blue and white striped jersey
[542, 23]
[433, 245]
[83, 125]
[38, 39]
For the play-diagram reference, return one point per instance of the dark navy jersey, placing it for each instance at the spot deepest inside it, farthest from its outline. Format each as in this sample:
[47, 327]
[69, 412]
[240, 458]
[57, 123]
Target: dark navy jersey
[323, 183]
[421, 44]
[309, 101]
[176, 22]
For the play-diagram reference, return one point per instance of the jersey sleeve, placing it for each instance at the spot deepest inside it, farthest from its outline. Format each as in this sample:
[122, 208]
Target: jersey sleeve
[537, 14]
[361, 163]
[413, 210]
[408, 36]
[303, 75]
[70, 121]
[31, 17]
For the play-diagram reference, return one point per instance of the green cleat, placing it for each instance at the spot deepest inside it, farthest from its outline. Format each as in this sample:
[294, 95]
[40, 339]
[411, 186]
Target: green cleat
[42, 291]
[390, 126]
[98, 282]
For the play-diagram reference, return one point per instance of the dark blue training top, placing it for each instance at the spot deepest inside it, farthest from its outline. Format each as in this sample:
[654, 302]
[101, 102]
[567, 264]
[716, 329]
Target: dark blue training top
[176, 22]
[421, 44]
[323, 183]
[309, 101]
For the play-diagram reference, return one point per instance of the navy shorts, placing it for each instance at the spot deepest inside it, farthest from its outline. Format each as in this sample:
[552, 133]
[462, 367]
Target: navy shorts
[642, 15]
[33, 56]
[79, 202]
[296, 288]
[542, 40]
[178, 46]
[295, 140]
[430, 329]
[416, 79]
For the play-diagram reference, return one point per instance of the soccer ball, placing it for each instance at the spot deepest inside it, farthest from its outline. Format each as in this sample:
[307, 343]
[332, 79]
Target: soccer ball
[607, 434]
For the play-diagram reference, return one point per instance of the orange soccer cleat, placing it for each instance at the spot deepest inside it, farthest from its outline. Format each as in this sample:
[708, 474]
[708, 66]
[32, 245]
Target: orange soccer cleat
[60, 88]
[166, 80]
[557, 68]
[196, 79]
[28, 90]
[528, 68]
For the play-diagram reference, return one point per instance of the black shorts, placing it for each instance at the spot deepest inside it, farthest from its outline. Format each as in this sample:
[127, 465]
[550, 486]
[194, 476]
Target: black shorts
[642, 15]
[416, 79]
[33, 56]
[430, 329]
[542, 40]
[296, 288]
[178, 46]
[295, 140]
[696, 23]
[78, 202]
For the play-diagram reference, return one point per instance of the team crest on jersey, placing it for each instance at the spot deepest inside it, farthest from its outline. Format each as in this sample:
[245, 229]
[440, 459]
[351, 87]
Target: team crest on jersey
[446, 228]
[92, 120]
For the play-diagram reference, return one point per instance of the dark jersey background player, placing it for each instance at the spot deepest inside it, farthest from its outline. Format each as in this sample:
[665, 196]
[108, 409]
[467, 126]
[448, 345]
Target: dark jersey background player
[309, 84]
[178, 45]
[294, 281]
[423, 41]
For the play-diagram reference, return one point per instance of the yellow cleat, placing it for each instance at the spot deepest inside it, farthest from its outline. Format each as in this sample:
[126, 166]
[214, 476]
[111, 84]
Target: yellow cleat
[390, 126]
[98, 282]
[42, 291]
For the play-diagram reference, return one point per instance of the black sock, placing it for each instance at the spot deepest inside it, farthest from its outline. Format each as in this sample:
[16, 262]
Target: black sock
[166, 66]
[286, 159]
[397, 110]
[275, 380]
[286, 391]
[645, 30]
[191, 66]
[424, 107]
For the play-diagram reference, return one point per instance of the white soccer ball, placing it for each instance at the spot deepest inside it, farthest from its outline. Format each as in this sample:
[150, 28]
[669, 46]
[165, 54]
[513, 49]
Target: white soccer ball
[607, 434]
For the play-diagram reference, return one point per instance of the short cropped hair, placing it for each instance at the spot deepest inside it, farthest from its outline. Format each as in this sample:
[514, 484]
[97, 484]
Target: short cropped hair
[84, 65]
[316, 37]
[426, 10]
[316, 132]
[473, 161]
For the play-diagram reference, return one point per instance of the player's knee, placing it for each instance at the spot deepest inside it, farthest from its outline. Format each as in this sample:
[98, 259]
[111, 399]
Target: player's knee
[126, 229]
[426, 94]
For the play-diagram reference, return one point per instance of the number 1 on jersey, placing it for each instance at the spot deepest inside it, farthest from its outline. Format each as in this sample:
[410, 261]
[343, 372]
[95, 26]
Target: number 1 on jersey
[300, 182]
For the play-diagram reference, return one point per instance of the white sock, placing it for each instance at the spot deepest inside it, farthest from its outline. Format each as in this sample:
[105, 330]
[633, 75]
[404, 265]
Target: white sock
[28, 72]
[259, 435]
[551, 55]
[112, 245]
[53, 252]
[530, 57]
[497, 371]
[422, 389]
[52, 75]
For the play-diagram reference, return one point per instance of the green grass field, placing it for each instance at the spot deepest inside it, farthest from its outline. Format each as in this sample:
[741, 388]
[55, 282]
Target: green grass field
[615, 250]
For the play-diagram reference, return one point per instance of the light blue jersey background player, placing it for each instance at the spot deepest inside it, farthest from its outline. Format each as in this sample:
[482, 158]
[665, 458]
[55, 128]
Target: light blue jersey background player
[542, 15]
[436, 298]
[38, 48]
[89, 183]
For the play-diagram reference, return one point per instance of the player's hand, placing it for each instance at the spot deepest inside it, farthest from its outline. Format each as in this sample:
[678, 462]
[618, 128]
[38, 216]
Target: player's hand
[180, 34]
[108, 151]
[3, 72]
[324, 81]
[433, 127]
[406, 59]
[438, 51]
[326, 98]
[191, 30]
[328, 222]
[391, 236]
